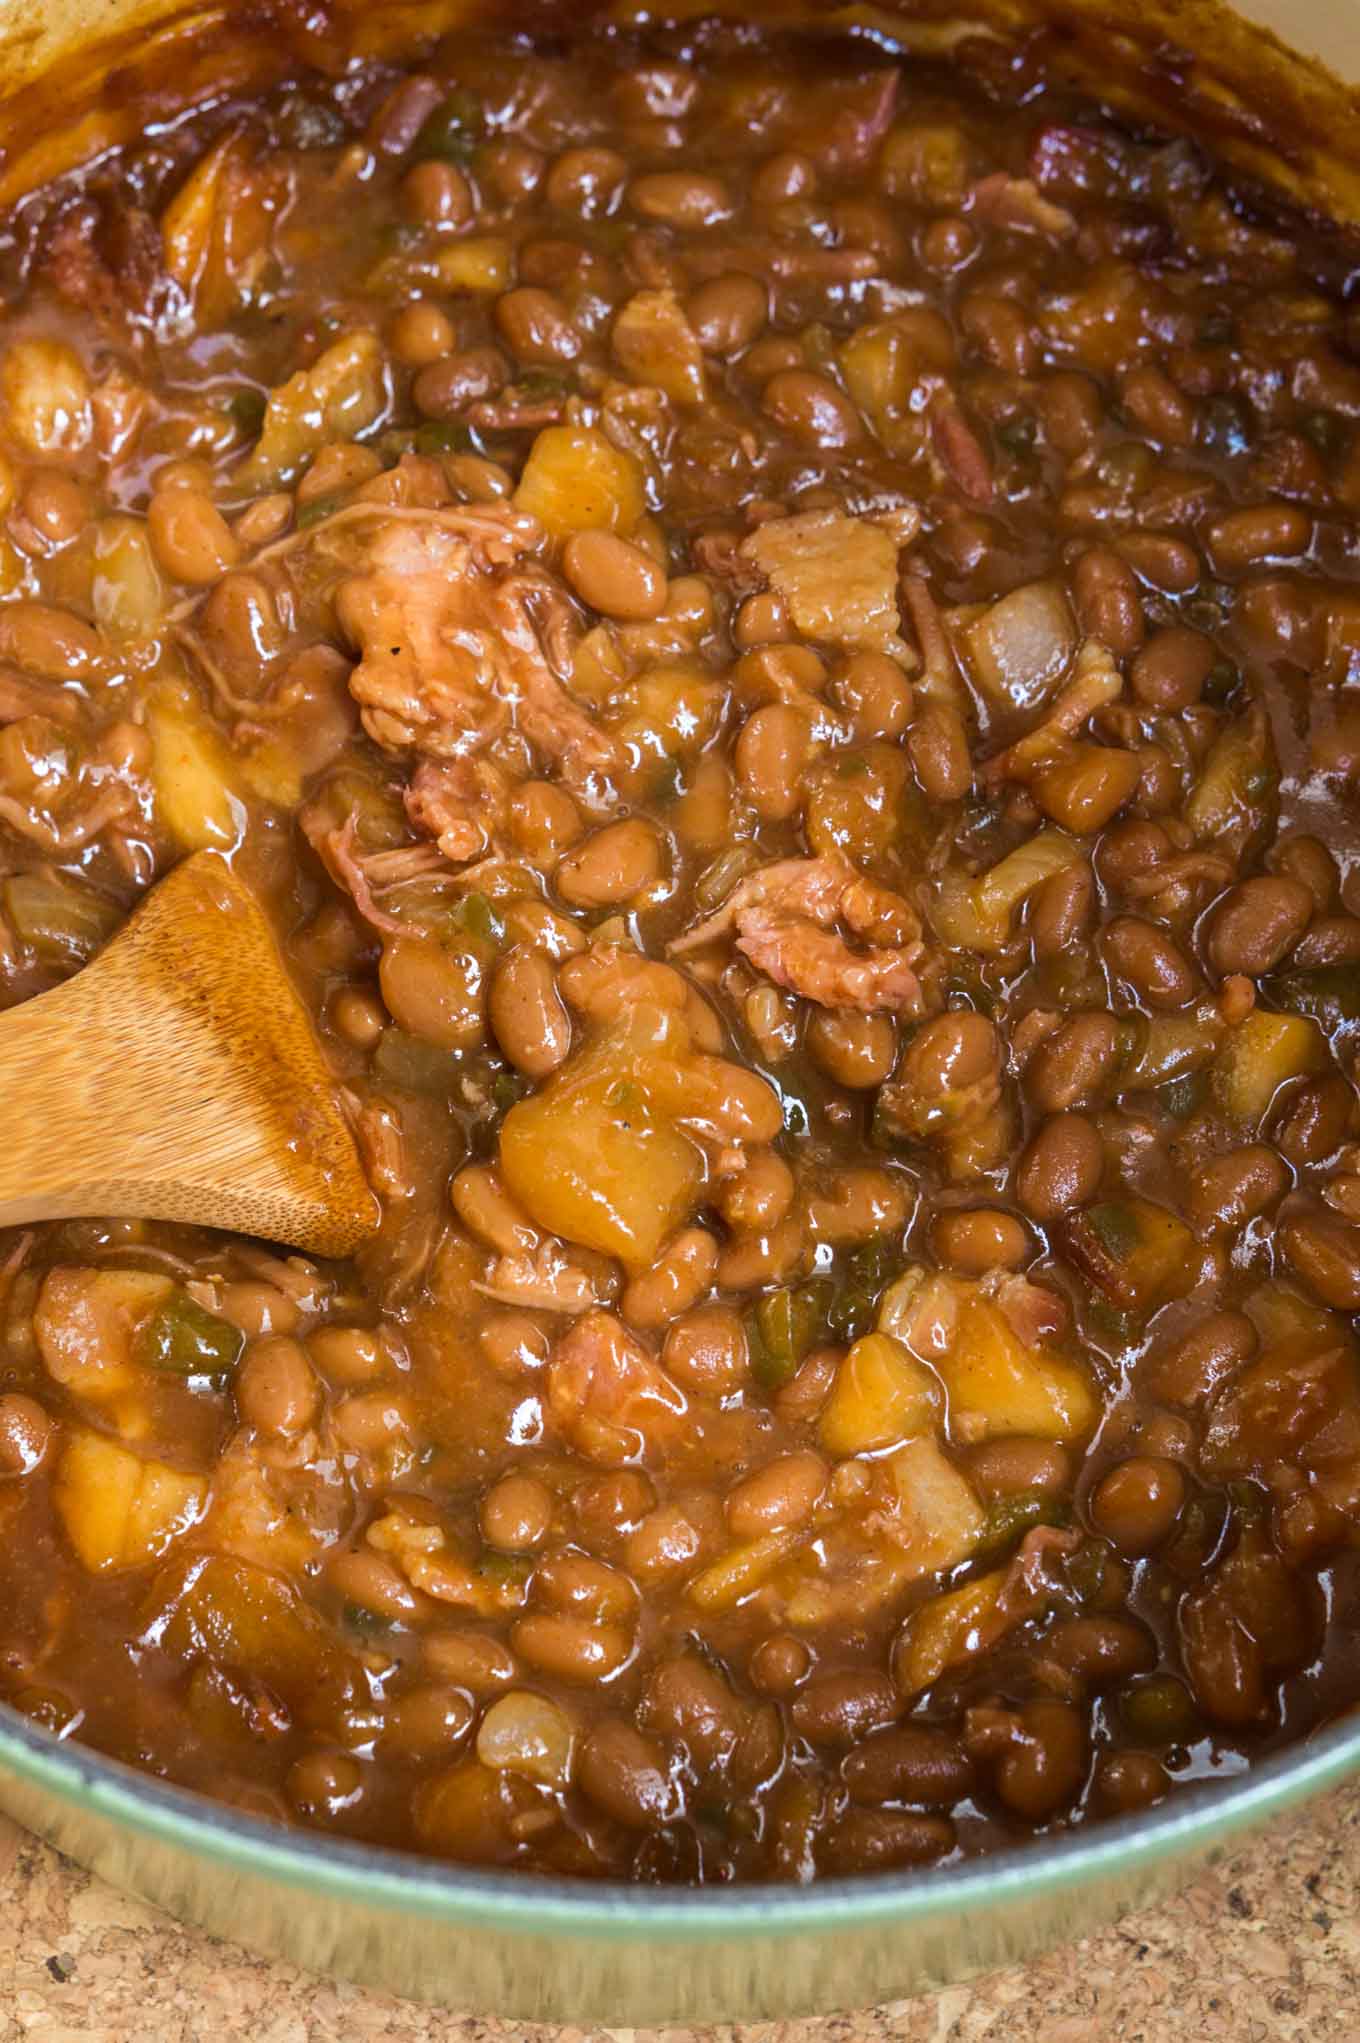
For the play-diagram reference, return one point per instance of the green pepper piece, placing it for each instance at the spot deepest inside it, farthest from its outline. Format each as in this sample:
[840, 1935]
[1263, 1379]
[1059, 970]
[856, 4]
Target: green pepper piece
[1010, 1518]
[246, 410]
[452, 132]
[476, 915]
[787, 1323]
[1325, 431]
[317, 508]
[415, 1066]
[184, 1340]
[1184, 1096]
[867, 1273]
[62, 921]
[1158, 1711]
[1329, 994]
[507, 1090]
[1018, 435]
[1090, 1572]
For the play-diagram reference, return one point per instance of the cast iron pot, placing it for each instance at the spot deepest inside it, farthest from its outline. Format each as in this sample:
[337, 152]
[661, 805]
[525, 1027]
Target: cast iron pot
[581, 1952]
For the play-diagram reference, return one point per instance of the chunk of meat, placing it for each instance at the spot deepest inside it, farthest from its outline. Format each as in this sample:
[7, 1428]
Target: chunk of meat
[364, 874]
[107, 261]
[961, 453]
[938, 678]
[461, 803]
[784, 917]
[540, 1280]
[1017, 202]
[837, 577]
[459, 638]
[855, 123]
[1095, 681]
[611, 1398]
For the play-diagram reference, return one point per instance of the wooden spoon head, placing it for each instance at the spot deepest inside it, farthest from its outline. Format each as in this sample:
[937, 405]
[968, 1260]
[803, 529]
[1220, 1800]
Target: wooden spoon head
[235, 1099]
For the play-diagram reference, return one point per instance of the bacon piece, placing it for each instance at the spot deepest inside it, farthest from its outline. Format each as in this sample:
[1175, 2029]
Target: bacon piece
[1018, 202]
[857, 125]
[359, 874]
[541, 1281]
[961, 452]
[1095, 681]
[610, 1397]
[836, 575]
[459, 638]
[22, 695]
[783, 919]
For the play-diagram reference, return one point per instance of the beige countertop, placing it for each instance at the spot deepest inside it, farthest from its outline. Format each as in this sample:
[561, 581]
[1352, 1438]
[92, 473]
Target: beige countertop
[1265, 1949]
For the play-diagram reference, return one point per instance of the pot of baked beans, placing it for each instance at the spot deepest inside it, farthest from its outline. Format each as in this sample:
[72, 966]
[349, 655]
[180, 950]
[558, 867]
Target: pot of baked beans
[772, 610]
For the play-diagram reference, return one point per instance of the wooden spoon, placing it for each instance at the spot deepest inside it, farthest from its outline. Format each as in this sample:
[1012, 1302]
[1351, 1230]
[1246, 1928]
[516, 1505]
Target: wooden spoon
[178, 1078]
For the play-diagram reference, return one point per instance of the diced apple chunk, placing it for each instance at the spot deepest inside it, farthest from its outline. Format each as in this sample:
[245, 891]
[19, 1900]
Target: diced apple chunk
[1019, 647]
[1263, 1051]
[881, 1394]
[575, 480]
[194, 776]
[596, 1157]
[998, 1385]
[87, 1321]
[937, 1636]
[940, 1508]
[118, 1510]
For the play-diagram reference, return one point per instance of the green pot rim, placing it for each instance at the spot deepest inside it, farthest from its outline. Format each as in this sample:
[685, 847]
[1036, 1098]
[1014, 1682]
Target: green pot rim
[1194, 1819]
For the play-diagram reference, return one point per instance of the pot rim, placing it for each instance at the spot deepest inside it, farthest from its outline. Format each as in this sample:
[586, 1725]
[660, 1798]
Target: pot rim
[404, 1883]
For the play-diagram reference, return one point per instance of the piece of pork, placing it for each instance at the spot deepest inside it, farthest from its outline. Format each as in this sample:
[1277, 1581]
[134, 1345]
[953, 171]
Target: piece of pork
[460, 637]
[783, 919]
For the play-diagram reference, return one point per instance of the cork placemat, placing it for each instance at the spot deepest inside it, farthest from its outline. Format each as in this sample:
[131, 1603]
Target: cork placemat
[1265, 1949]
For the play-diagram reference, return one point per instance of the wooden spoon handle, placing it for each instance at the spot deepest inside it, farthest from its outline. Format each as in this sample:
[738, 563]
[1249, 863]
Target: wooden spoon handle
[178, 1078]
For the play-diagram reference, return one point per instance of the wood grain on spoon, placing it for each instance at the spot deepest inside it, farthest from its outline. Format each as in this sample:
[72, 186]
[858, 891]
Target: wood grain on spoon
[178, 1078]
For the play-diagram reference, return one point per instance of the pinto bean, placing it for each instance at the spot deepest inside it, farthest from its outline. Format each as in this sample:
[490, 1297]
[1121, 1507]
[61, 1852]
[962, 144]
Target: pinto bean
[680, 198]
[1249, 538]
[913, 1763]
[706, 1351]
[530, 1022]
[447, 386]
[1151, 962]
[1016, 1466]
[1172, 668]
[979, 1239]
[839, 1710]
[611, 867]
[1072, 1066]
[728, 313]
[1062, 1167]
[192, 540]
[857, 1050]
[613, 576]
[937, 746]
[276, 1387]
[627, 1776]
[1202, 1359]
[1230, 1190]
[516, 1514]
[678, 1280]
[809, 407]
[772, 754]
[1325, 1252]
[537, 327]
[25, 1434]
[1138, 1502]
[1105, 592]
[1257, 924]
[778, 1497]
